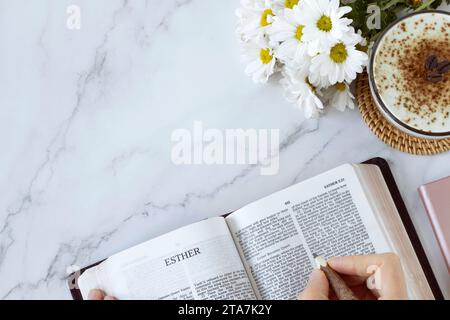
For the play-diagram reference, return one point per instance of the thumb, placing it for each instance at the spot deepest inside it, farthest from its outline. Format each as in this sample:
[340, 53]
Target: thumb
[317, 288]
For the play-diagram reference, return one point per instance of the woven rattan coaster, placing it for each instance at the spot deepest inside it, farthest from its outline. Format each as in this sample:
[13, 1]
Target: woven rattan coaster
[387, 132]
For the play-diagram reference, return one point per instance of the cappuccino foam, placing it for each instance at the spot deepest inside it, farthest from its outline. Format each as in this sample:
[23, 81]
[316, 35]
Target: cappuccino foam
[400, 73]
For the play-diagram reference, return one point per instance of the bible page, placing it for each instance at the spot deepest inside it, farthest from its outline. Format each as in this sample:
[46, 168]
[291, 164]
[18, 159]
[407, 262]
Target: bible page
[328, 215]
[199, 261]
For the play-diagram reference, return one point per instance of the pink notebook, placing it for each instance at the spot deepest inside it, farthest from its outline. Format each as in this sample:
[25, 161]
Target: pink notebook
[436, 198]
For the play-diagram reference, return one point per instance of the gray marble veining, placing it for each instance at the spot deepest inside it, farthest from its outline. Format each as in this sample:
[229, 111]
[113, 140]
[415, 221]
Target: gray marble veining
[86, 118]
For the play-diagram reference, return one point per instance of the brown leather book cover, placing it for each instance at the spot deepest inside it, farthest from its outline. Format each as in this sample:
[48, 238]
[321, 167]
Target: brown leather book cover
[401, 208]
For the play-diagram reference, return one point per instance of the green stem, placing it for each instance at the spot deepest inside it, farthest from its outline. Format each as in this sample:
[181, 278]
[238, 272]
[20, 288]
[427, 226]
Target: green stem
[425, 5]
[392, 3]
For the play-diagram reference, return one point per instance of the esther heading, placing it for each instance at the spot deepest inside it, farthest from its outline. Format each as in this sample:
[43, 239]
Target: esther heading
[182, 256]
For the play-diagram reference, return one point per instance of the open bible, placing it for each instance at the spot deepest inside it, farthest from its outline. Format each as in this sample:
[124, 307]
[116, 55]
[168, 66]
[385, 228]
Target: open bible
[265, 249]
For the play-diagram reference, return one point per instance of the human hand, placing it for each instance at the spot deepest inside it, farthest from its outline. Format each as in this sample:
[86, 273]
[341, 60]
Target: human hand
[378, 276]
[97, 294]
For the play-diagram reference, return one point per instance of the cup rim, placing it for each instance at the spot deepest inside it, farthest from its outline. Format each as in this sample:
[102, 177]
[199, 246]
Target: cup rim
[373, 87]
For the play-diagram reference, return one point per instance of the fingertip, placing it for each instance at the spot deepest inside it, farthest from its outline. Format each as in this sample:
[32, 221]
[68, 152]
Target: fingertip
[96, 294]
[348, 265]
[335, 261]
[110, 298]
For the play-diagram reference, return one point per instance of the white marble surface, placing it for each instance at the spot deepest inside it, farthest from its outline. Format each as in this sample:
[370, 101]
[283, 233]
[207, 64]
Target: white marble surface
[85, 124]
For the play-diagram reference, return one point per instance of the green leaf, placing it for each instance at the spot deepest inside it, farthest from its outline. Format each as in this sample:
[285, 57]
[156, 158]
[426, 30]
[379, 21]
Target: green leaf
[436, 4]
[389, 10]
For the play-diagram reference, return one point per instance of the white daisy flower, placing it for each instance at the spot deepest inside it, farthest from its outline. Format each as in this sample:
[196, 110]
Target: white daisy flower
[301, 92]
[287, 31]
[324, 23]
[260, 61]
[339, 62]
[254, 17]
[339, 96]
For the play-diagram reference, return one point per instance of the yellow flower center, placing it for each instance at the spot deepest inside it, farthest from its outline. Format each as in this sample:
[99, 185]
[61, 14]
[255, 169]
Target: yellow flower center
[265, 56]
[290, 3]
[340, 86]
[324, 23]
[299, 32]
[266, 13]
[339, 53]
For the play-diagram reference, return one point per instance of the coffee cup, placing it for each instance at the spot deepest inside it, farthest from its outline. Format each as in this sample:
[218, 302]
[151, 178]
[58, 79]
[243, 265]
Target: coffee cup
[409, 74]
